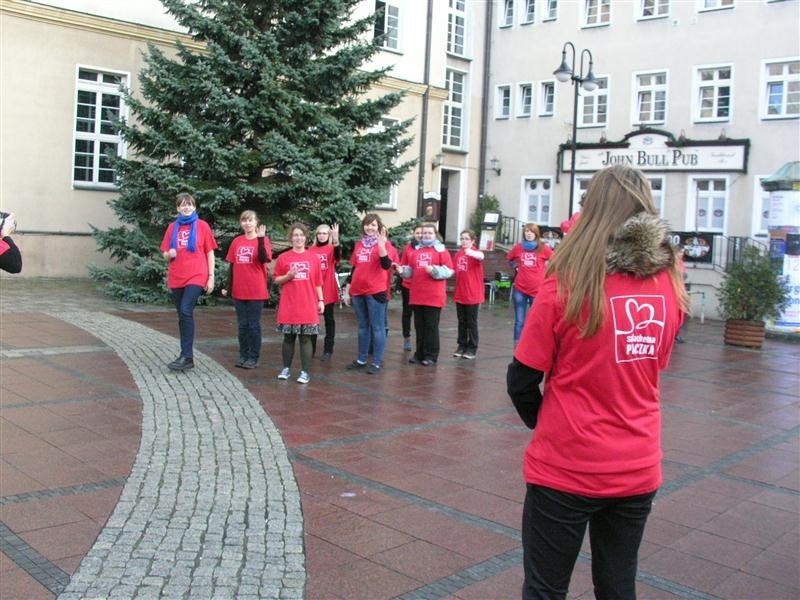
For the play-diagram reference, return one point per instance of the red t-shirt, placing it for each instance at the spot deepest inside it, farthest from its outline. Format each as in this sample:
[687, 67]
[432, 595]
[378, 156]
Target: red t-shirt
[368, 276]
[249, 275]
[425, 290]
[406, 283]
[327, 265]
[599, 427]
[189, 268]
[470, 286]
[299, 303]
[531, 267]
[3, 247]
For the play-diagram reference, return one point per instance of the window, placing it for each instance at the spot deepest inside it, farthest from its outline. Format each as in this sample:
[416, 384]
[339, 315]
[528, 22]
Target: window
[456, 27]
[650, 93]
[593, 106]
[760, 207]
[711, 199]
[387, 25]
[530, 12]
[389, 199]
[508, 13]
[525, 102]
[713, 94]
[653, 9]
[98, 103]
[547, 98]
[657, 189]
[551, 14]
[782, 90]
[581, 185]
[705, 5]
[452, 134]
[502, 107]
[596, 12]
[537, 200]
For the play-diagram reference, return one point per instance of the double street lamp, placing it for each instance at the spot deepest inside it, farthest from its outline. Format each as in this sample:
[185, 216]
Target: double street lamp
[566, 73]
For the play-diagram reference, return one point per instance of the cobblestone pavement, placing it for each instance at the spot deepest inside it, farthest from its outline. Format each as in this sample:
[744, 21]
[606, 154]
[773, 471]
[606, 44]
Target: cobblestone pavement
[409, 481]
[175, 532]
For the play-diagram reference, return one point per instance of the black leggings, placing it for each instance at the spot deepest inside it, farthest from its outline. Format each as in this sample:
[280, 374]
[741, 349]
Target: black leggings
[287, 350]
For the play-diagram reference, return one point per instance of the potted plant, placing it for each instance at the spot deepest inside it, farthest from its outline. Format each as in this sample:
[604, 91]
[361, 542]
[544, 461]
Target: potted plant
[752, 290]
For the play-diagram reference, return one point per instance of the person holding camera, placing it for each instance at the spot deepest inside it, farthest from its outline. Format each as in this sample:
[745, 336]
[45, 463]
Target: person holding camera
[10, 257]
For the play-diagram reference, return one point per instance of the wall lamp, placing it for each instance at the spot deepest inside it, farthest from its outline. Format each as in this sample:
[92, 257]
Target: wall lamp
[438, 161]
[494, 164]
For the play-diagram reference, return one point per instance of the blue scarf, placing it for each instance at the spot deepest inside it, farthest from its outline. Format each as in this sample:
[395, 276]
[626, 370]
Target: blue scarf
[529, 246]
[427, 243]
[191, 219]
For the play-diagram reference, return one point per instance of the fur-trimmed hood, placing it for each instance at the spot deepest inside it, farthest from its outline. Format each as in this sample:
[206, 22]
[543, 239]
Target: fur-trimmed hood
[640, 247]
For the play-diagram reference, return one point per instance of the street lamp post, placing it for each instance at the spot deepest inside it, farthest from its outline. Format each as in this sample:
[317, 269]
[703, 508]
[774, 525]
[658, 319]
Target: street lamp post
[566, 73]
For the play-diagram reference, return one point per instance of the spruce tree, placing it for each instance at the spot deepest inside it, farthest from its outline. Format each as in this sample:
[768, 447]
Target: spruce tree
[271, 116]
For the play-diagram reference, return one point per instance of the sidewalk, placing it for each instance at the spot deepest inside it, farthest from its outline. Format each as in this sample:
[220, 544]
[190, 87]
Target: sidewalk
[409, 481]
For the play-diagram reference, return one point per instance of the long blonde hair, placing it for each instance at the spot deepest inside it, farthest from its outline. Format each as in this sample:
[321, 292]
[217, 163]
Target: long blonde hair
[614, 195]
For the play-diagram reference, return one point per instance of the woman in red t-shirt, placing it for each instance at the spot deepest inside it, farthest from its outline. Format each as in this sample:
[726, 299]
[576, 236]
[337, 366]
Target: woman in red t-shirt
[248, 256]
[469, 294]
[602, 328]
[188, 246]
[326, 247]
[297, 272]
[529, 258]
[427, 266]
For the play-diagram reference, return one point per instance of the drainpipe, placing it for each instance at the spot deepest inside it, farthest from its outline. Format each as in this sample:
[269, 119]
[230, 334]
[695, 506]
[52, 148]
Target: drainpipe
[426, 80]
[487, 54]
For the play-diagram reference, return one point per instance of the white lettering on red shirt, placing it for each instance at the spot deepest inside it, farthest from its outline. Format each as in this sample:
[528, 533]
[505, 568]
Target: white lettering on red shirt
[638, 326]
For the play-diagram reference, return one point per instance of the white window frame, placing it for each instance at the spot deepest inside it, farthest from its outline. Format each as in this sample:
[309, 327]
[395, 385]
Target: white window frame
[658, 195]
[767, 79]
[541, 98]
[456, 10]
[653, 89]
[600, 8]
[524, 213]
[97, 137]
[507, 16]
[391, 192]
[581, 185]
[584, 95]
[503, 102]
[389, 42]
[521, 87]
[451, 105]
[698, 84]
[529, 13]
[550, 14]
[760, 205]
[713, 5]
[693, 220]
[660, 8]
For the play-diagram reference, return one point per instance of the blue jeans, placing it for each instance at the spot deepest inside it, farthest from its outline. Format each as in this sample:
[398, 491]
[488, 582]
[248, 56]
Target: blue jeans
[248, 315]
[522, 302]
[371, 318]
[553, 526]
[185, 299]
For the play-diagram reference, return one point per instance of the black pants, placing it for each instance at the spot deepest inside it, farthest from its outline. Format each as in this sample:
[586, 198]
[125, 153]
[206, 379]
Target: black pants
[330, 331]
[553, 526]
[407, 312]
[426, 325]
[467, 326]
[248, 316]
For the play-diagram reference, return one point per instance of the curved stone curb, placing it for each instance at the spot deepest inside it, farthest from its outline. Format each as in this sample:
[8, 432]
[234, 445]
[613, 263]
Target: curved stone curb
[211, 508]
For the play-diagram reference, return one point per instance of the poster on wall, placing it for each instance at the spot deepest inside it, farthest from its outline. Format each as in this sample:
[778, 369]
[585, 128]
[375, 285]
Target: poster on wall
[698, 247]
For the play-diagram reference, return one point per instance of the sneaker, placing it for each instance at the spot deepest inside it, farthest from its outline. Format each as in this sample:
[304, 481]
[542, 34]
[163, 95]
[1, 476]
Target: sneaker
[303, 377]
[414, 360]
[285, 374]
[407, 345]
[679, 339]
[355, 365]
[249, 364]
[240, 363]
[181, 364]
[326, 356]
[373, 368]
[459, 352]
[427, 362]
[469, 355]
